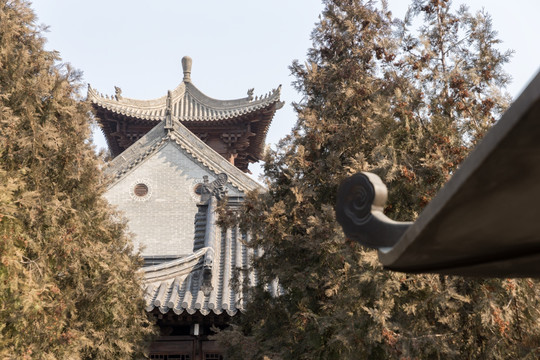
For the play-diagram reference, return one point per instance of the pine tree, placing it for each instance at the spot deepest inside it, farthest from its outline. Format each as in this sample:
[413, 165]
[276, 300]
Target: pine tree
[378, 98]
[69, 286]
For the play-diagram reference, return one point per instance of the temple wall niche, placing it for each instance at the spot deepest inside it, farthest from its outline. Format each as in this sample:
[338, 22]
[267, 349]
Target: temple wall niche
[159, 200]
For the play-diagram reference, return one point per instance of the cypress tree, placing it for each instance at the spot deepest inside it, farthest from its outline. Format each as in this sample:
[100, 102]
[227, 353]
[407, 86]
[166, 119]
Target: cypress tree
[69, 286]
[449, 92]
[408, 106]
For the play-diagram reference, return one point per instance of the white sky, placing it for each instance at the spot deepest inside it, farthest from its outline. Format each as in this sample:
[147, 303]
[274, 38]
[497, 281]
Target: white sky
[235, 44]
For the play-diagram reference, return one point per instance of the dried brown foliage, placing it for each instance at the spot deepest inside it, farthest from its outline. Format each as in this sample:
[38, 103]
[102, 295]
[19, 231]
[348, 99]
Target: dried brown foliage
[69, 286]
[409, 106]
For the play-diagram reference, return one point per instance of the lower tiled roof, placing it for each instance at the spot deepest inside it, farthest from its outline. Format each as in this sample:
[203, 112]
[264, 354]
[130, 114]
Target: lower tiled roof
[204, 281]
[179, 285]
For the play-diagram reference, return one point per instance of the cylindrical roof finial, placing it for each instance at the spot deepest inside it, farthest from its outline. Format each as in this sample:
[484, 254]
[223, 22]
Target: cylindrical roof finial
[186, 65]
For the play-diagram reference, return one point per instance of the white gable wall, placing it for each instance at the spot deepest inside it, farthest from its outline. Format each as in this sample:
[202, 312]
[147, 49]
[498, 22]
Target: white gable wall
[163, 221]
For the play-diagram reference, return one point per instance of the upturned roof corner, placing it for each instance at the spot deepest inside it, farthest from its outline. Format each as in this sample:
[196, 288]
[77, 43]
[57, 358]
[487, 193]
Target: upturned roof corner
[235, 128]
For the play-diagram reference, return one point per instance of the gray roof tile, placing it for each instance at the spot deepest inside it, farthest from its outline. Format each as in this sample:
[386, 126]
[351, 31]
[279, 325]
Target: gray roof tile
[178, 285]
[187, 104]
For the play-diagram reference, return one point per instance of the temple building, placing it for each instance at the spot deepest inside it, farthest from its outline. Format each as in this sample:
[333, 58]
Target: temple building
[173, 159]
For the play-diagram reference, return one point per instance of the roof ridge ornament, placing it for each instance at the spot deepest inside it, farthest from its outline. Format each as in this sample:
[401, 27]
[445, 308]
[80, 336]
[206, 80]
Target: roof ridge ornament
[250, 94]
[186, 66]
[117, 93]
[215, 188]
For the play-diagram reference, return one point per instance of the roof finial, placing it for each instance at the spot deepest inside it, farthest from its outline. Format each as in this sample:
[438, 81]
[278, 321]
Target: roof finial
[186, 65]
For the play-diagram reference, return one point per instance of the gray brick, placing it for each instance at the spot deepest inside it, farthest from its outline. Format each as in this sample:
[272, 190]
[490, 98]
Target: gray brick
[163, 222]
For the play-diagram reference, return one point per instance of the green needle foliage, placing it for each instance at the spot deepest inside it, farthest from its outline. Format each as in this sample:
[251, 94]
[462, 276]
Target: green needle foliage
[409, 106]
[69, 287]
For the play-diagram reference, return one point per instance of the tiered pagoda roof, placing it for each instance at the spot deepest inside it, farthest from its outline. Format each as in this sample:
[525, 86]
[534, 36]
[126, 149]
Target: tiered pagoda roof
[236, 129]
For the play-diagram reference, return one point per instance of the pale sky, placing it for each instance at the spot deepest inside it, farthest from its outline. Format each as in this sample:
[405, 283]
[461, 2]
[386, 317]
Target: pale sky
[235, 44]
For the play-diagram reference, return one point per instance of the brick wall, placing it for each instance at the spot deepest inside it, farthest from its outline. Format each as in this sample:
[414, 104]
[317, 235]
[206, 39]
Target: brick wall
[163, 220]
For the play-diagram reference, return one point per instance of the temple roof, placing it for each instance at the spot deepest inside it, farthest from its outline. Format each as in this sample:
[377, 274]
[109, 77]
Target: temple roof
[205, 280]
[158, 137]
[181, 285]
[187, 104]
[235, 128]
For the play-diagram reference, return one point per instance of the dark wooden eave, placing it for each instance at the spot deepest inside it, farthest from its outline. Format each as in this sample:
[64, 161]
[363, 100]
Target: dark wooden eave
[484, 222]
[247, 133]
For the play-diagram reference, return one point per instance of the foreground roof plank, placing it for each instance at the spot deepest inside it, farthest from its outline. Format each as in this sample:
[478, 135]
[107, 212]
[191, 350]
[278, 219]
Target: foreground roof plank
[486, 219]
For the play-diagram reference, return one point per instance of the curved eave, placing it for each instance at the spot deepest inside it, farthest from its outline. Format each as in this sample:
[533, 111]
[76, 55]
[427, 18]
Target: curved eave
[259, 121]
[257, 145]
[106, 121]
[180, 286]
[144, 110]
[187, 104]
[170, 269]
